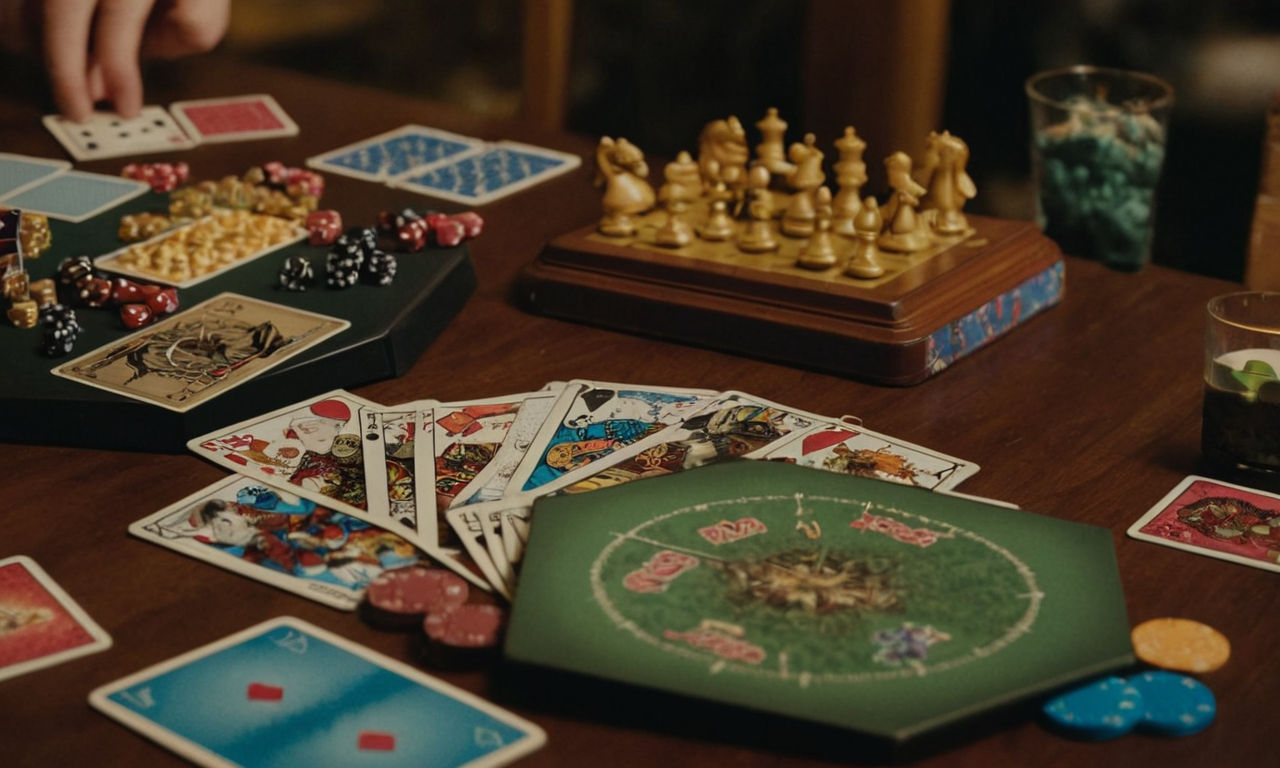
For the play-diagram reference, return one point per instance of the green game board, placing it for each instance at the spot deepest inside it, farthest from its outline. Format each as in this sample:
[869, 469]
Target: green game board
[847, 601]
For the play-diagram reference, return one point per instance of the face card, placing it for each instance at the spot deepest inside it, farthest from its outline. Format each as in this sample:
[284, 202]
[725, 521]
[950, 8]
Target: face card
[466, 526]
[857, 451]
[19, 171]
[274, 537]
[74, 195]
[491, 483]
[286, 692]
[197, 354]
[389, 441]
[499, 170]
[106, 134]
[40, 625]
[595, 419]
[468, 436]
[1216, 519]
[312, 448]
[393, 153]
[236, 118]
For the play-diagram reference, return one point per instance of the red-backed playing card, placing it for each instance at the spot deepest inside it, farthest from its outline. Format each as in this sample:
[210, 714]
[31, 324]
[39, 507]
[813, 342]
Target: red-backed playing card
[40, 625]
[238, 118]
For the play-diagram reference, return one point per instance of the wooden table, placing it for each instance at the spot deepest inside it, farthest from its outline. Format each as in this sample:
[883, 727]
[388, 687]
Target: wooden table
[1090, 412]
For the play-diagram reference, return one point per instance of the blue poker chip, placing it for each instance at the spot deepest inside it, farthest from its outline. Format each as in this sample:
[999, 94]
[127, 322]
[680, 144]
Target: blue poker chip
[1100, 710]
[1176, 705]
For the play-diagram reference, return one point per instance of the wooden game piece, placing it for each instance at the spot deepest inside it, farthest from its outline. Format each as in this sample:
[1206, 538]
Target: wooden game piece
[798, 220]
[851, 174]
[683, 185]
[948, 185]
[724, 143]
[757, 235]
[718, 224]
[904, 230]
[622, 171]
[865, 261]
[23, 313]
[675, 232]
[771, 152]
[820, 251]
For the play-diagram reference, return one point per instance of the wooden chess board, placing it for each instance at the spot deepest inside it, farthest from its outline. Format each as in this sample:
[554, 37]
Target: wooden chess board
[927, 310]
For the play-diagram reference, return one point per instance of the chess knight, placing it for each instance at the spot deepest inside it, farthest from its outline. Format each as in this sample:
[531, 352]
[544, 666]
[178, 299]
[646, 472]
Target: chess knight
[622, 171]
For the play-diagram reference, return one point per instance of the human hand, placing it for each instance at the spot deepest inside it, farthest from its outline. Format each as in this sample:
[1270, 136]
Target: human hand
[92, 47]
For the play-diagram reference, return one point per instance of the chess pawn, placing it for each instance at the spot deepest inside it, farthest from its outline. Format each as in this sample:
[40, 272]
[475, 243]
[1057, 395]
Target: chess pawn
[683, 186]
[798, 220]
[676, 232]
[949, 185]
[905, 231]
[718, 224]
[622, 171]
[757, 235]
[864, 263]
[851, 174]
[820, 251]
[771, 151]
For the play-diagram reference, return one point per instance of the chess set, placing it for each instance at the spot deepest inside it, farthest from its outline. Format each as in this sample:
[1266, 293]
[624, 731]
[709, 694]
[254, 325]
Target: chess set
[756, 255]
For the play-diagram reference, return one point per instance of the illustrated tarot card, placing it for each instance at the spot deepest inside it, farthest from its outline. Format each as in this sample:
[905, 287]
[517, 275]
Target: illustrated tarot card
[40, 625]
[106, 134]
[234, 118]
[197, 354]
[286, 692]
[1216, 519]
[468, 435]
[312, 448]
[380, 157]
[497, 171]
[492, 482]
[389, 439]
[74, 195]
[857, 451]
[595, 419]
[734, 425]
[19, 171]
[465, 523]
[272, 536]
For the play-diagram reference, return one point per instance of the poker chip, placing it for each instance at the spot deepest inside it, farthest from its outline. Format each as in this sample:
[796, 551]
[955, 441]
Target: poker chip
[1100, 710]
[461, 637]
[401, 597]
[1175, 705]
[1184, 645]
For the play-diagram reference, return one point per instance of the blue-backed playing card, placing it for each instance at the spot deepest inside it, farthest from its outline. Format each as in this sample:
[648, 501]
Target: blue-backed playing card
[501, 169]
[381, 157]
[74, 195]
[20, 171]
[285, 692]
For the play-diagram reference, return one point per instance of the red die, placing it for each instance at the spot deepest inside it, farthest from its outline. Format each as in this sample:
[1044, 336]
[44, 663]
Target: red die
[323, 227]
[125, 291]
[163, 301]
[300, 181]
[412, 235]
[163, 177]
[135, 315]
[449, 233]
[471, 221]
[93, 291]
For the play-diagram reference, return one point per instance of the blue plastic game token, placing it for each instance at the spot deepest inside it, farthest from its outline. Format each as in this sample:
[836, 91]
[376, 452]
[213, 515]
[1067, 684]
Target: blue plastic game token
[1103, 709]
[1176, 705]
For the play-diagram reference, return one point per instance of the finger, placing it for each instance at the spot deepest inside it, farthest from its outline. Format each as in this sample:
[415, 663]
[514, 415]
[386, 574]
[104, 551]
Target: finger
[182, 27]
[117, 37]
[66, 44]
[97, 88]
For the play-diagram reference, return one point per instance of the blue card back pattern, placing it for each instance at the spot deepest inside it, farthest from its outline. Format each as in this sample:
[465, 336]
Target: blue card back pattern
[396, 152]
[499, 170]
[74, 195]
[18, 171]
[329, 695]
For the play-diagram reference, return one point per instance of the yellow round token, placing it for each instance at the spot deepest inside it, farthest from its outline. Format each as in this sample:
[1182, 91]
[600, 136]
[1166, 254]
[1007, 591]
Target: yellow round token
[1180, 644]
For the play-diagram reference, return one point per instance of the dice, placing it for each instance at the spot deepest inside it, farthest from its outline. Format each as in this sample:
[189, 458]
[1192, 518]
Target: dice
[323, 227]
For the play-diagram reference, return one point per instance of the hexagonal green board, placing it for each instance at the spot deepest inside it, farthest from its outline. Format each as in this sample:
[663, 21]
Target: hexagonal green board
[852, 602]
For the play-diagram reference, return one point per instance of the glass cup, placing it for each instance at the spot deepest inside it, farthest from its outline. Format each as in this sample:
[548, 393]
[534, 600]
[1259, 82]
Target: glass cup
[1097, 147]
[1241, 428]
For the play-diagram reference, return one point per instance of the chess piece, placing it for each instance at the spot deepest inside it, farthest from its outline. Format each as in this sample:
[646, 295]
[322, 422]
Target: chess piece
[683, 186]
[851, 174]
[905, 230]
[757, 235]
[718, 224]
[621, 170]
[948, 185]
[864, 263]
[723, 142]
[798, 220]
[820, 251]
[771, 151]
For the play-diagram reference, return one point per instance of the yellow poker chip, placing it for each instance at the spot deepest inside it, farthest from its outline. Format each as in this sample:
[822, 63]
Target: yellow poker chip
[1180, 644]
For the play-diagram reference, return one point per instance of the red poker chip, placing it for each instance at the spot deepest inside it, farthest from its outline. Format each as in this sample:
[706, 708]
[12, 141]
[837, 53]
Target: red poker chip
[473, 625]
[400, 597]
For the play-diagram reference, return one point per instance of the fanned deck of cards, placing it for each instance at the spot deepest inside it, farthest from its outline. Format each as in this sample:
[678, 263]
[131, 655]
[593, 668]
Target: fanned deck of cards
[457, 480]
[286, 692]
[446, 165]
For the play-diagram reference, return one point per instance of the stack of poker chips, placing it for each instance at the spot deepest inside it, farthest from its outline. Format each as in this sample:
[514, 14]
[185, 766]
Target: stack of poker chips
[60, 329]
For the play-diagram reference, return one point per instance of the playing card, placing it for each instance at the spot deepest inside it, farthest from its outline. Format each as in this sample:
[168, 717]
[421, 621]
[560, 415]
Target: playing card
[466, 526]
[468, 436]
[19, 171]
[857, 451]
[272, 536]
[73, 195]
[393, 153]
[491, 482]
[234, 118]
[491, 524]
[389, 441]
[106, 134]
[595, 419]
[515, 532]
[312, 448]
[197, 354]
[499, 170]
[40, 625]
[1216, 519]
[286, 692]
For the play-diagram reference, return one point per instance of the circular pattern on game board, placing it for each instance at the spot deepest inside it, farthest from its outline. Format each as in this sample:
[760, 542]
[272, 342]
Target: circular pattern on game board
[1182, 644]
[815, 589]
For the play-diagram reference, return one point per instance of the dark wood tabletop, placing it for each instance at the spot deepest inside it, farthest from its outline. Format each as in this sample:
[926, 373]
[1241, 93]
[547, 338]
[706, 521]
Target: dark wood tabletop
[1089, 412]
